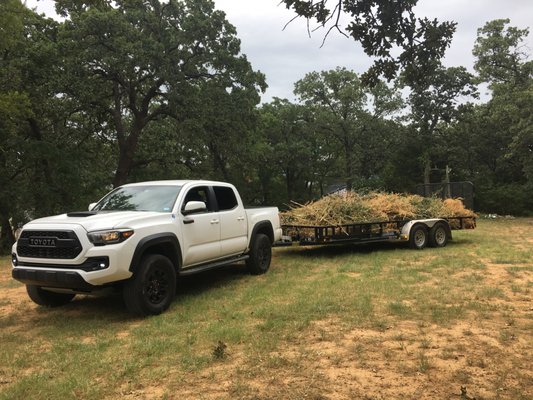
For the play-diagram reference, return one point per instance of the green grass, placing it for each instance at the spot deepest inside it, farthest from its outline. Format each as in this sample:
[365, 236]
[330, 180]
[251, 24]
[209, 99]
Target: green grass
[228, 320]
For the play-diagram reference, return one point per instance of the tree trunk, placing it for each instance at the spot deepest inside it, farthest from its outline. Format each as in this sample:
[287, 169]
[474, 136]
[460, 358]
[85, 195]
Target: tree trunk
[427, 170]
[125, 161]
[6, 237]
[219, 164]
[289, 184]
[127, 148]
[42, 170]
[427, 173]
[348, 168]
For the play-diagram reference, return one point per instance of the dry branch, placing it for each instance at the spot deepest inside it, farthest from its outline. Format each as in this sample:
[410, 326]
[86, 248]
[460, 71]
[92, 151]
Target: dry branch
[351, 207]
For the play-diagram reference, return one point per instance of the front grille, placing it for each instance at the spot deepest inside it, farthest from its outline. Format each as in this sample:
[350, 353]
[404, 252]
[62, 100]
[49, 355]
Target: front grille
[65, 245]
[57, 234]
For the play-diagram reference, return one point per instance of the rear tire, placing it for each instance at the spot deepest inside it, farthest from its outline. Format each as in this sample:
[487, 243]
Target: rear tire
[260, 255]
[438, 235]
[152, 288]
[418, 238]
[47, 298]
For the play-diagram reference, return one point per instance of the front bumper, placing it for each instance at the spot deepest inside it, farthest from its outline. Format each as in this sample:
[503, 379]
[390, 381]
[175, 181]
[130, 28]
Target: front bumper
[53, 279]
[83, 272]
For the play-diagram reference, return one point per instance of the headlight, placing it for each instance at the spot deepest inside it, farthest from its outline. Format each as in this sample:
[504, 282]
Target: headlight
[101, 238]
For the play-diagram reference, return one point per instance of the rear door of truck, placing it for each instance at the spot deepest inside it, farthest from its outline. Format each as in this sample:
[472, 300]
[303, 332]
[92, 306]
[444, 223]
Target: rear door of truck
[233, 223]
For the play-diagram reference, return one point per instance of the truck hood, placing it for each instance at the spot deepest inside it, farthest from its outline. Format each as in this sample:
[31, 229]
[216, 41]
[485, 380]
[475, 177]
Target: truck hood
[99, 220]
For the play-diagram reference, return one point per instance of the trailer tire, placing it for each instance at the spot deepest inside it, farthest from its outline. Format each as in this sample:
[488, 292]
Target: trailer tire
[152, 288]
[418, 237]
[438, 235]
[46, 298]
[260, 255]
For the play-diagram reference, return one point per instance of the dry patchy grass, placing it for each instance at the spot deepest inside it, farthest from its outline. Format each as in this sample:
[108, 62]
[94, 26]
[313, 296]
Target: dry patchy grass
[347, 322]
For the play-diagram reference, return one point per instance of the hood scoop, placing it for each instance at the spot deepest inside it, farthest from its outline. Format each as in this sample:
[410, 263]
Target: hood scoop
[81, 213]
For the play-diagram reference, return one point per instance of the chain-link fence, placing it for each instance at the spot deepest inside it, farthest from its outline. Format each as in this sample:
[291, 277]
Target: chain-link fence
[464, 190]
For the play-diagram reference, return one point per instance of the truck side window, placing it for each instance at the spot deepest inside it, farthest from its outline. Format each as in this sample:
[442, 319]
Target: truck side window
[225, 198]
[200, 193]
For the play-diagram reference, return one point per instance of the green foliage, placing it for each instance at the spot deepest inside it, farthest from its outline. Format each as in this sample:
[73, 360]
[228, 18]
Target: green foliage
[136, 63]
[434, 105]
[11, 24]
[505, 198]
[356, 119]
[381, 27]
[500, 55]
[36, 179]
[506, 119]
[289, 148]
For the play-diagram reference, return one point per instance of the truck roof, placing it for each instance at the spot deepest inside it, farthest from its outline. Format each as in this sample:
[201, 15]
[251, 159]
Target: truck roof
[175, 182]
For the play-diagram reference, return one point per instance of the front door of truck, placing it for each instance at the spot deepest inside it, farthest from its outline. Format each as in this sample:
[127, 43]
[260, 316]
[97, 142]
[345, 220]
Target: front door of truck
[201, 230]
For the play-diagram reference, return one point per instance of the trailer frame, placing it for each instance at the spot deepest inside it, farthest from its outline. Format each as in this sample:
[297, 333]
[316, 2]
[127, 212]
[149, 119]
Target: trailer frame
[379, 231]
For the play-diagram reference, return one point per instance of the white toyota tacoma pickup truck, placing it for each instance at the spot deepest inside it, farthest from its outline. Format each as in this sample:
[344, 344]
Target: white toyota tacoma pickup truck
[140, 238]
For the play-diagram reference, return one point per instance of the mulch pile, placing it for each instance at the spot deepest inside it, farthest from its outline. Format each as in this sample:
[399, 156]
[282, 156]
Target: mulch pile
[351, 207]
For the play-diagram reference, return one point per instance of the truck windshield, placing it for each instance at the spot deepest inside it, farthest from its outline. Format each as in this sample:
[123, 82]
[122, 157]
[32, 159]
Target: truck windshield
[140, 198]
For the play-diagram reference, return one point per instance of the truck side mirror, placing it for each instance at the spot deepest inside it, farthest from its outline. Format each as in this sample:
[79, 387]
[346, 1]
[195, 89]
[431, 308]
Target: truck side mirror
[91, 206]
[194, 207]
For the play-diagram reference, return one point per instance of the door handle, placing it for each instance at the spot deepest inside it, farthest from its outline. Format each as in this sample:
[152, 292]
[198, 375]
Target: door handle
[215, 221]
[240, 218]
[188, 220]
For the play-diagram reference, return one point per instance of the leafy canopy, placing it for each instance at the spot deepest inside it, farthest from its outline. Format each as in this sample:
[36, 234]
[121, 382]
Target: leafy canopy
[384, 27]
[136, 62]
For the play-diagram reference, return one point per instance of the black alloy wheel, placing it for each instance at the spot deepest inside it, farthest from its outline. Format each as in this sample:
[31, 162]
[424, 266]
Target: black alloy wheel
[152, 288]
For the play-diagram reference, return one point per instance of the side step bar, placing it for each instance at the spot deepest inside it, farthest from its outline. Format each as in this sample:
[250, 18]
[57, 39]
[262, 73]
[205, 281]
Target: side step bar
[206, 267]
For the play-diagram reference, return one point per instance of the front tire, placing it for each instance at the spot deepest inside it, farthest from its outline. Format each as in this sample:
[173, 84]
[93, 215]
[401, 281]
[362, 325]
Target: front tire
[152, 288]
[46, 298]
[260, 255]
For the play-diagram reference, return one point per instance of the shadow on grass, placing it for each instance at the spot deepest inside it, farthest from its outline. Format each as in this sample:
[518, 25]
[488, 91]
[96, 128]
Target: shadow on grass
[109, 307]
[344, 249]
[334, 250]
[100, 308]
[209, 280]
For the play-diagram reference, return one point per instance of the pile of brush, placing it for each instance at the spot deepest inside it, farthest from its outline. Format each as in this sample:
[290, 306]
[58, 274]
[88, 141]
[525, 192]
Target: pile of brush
[350, 207]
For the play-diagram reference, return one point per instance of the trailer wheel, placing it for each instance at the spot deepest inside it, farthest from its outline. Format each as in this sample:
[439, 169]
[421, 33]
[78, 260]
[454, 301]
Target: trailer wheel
[152, 288]
[438, 235]
[46, 298]
[260, 255]
[418, 238]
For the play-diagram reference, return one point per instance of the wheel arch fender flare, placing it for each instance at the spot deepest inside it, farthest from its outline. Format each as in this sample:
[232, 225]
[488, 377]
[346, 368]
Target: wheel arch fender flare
[264, 227]
[406, 229]
[166, 244]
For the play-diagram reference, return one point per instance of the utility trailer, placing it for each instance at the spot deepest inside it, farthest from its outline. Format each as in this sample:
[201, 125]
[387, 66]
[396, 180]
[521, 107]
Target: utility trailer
[419, 233]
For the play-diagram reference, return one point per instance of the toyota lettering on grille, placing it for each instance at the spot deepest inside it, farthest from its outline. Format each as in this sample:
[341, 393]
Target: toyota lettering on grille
[42, 242]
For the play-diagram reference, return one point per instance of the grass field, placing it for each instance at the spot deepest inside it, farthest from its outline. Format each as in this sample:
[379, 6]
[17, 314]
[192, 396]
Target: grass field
[381, 322]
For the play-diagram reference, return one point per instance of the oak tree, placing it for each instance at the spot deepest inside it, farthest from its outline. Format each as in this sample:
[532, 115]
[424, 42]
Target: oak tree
[136, 62]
